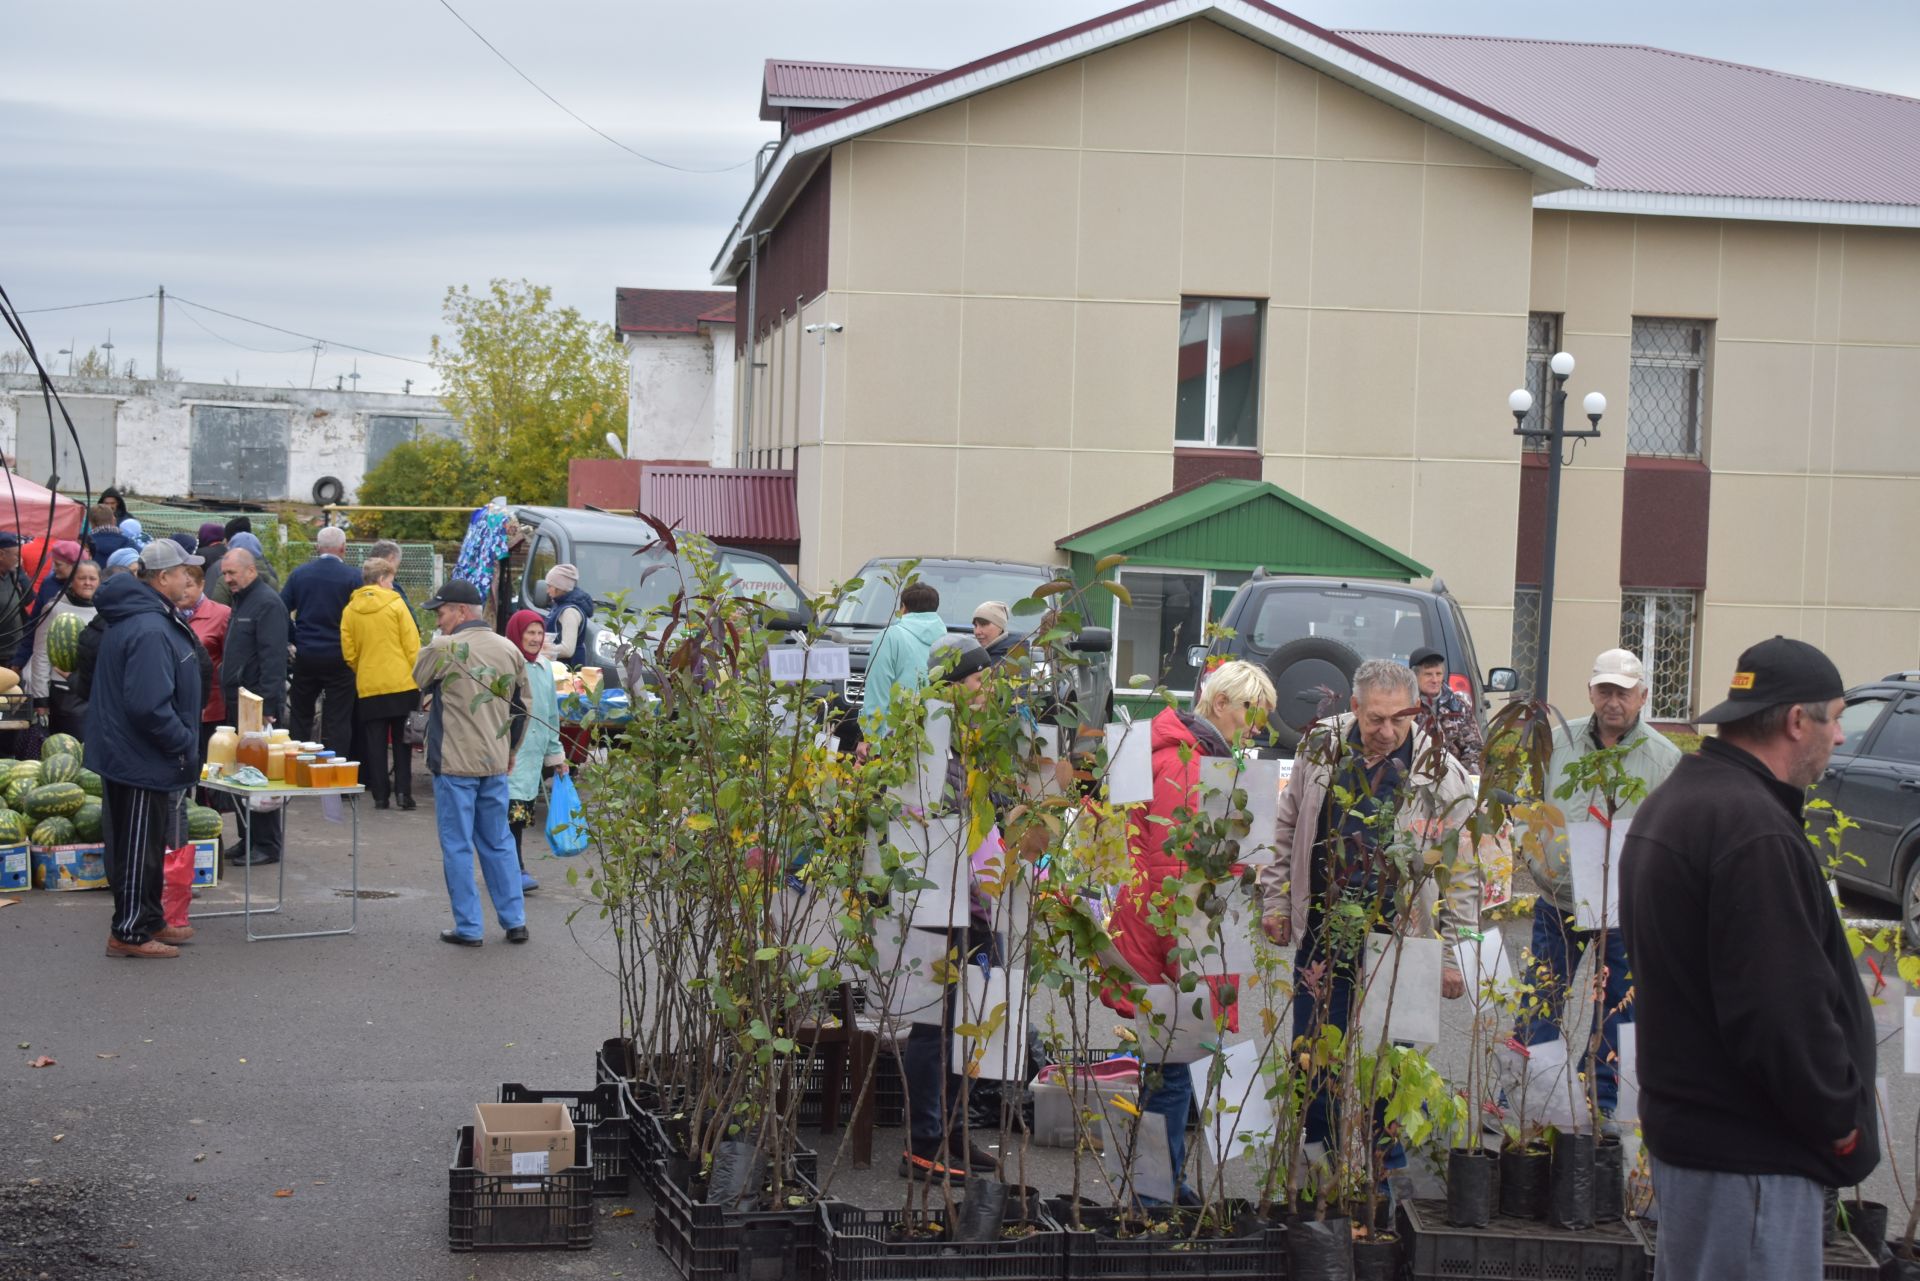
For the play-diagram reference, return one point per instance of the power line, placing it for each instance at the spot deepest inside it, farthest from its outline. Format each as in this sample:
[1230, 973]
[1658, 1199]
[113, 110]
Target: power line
[265, 351]
[295, 333]
[652, 160]
[75, 306]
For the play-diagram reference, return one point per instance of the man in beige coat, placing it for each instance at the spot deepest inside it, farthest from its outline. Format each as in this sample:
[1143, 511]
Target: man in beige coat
[477, 682]
[1379, 756]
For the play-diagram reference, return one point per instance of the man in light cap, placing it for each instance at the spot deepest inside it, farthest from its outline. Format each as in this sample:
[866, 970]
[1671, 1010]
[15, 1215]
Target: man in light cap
[1617, 688]
[1758, 1056]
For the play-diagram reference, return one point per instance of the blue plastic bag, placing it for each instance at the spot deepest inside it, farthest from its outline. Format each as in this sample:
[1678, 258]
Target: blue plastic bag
[566, 830]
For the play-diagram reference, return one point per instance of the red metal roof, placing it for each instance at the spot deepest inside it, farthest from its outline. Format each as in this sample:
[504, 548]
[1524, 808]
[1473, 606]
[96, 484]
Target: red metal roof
[670, 311]
[1675, 123]
[827, 84]
[727, 505]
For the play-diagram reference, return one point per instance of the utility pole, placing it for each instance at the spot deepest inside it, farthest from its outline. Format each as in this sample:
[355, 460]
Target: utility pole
[108, 348]
[314, 369]
[160, 340]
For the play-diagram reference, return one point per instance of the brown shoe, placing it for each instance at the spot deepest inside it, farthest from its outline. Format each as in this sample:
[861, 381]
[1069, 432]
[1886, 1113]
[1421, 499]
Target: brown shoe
[174, 933]
[152, 949]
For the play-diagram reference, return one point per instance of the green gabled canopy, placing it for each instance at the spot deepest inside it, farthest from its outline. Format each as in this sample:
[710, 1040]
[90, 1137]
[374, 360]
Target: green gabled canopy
[1239, 525]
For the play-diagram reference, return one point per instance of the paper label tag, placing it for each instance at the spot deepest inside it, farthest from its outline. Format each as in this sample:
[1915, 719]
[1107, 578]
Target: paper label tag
[804, 662]
[530, 1162]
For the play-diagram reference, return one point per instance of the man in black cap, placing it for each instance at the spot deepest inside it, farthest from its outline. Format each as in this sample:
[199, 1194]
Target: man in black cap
[1756, 1043]
[1448, 711]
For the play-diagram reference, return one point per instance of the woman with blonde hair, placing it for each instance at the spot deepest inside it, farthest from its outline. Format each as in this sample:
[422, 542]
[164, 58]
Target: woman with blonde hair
[379, 640]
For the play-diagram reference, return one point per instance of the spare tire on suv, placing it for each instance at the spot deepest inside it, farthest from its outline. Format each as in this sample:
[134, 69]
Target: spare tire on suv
[1312, 677]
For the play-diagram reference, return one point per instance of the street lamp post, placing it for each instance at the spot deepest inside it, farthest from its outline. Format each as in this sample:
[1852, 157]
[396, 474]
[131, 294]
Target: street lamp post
[1552, 434]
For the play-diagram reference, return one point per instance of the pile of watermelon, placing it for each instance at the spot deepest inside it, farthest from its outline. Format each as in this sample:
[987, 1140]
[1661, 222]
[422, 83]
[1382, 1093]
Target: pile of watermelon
[56, 800]
[51, 801]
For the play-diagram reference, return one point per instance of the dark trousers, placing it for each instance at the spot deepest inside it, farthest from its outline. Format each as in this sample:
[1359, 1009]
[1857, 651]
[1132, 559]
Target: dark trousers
[134, 822]
[316, 677]
[377, 739]
[1335, 1001]
[265, 826]
[926, 1063]
[1557, 950]
[65, 713]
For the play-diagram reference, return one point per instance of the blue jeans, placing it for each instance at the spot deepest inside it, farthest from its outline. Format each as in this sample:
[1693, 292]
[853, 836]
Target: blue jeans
[1557, 950]
[1173, 1099]
[472, 817]
[1759, 1227]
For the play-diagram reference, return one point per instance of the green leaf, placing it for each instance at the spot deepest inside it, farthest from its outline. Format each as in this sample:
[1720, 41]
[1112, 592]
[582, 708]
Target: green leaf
[767, 954]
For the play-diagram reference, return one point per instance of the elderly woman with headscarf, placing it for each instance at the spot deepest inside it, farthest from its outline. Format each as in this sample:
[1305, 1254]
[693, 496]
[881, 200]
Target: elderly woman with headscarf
[246, 541]
[539, 752]
[64, 712]
[63, 555]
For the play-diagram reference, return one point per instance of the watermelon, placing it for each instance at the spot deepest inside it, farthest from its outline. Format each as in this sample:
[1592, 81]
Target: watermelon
[15, 791]
[90, 782]
[203, 823]
[60, 769]
[53, 831]
[13, 827]
[63, 641]
[86, 821]
[60, 745]
[55, 800]
[28, 770]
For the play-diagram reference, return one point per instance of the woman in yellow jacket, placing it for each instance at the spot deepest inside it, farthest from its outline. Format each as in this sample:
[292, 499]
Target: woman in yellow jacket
[380, 641]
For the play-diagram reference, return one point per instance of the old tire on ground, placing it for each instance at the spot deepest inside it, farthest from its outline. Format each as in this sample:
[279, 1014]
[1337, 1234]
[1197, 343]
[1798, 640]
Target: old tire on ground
[1313, 677]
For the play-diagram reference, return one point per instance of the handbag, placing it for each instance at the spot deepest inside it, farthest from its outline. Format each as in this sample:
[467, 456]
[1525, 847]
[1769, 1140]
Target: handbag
[414, 732]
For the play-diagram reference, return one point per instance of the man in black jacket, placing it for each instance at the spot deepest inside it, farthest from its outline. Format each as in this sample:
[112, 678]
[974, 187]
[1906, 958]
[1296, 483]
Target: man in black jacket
[1756, 1041]
[255, 659]
[143, 739]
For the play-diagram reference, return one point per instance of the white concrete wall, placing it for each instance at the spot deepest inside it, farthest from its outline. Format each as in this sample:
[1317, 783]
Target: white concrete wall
[154, 429]
[678, 407]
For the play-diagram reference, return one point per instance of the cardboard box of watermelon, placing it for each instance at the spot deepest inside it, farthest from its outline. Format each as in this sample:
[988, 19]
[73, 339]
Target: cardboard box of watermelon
[15, 868]
[54, 805]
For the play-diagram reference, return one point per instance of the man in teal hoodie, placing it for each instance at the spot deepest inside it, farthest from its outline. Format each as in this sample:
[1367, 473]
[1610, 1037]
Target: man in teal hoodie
[899, 659]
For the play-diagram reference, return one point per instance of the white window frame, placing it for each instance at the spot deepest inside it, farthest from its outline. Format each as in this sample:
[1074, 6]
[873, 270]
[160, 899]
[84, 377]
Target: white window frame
[1647, 598]
[1216, 310]
[1206, 612]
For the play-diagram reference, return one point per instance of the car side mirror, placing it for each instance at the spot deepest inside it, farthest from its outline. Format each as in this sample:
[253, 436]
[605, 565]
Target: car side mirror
[539, 595]
[1196, 656]
[1502, 680]
[1092, 640]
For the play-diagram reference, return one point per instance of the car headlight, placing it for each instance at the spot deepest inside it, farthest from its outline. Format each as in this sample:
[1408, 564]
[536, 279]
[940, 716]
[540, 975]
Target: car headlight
[606, 644]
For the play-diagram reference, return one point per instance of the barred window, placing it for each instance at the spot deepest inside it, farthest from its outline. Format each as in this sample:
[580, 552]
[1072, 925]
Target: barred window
[1526, 639]
[1667, 388]
[1659, 626]
[1543, 339]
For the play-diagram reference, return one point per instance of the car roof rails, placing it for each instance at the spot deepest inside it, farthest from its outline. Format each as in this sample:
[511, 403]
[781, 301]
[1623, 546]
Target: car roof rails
[1909, 675]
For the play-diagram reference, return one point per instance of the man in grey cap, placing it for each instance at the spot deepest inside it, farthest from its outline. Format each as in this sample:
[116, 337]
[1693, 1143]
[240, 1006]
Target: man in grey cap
[1757, 1057]
[1617, 688]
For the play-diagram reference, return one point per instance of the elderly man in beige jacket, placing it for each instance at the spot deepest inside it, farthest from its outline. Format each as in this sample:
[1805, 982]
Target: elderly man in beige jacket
[1378, 755]
[473, 727]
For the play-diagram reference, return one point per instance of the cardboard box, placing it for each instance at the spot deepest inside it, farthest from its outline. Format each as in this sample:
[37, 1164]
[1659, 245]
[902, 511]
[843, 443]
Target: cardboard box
[522, 1138]
[16, 871]
[69, 867]
[206, 861]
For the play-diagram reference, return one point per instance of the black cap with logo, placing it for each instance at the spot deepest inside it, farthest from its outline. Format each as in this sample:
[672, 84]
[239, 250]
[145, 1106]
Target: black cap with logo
[455, 591]
[1773, 672]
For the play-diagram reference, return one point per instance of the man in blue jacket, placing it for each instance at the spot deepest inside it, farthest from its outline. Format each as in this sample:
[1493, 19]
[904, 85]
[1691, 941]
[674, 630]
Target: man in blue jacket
[316, 594]
[143, 739]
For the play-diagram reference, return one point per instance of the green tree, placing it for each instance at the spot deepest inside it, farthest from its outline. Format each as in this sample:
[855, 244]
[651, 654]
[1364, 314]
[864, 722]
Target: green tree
[423, 473]
[534, 386]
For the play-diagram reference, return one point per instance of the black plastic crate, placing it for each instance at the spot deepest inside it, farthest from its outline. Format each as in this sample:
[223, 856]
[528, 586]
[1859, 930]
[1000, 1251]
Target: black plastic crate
[707, 1242]
[1259, 1252]
[520, 1211]
[859, 1247]
[604, 1110]
[1517, 1249]
[1845, 1259]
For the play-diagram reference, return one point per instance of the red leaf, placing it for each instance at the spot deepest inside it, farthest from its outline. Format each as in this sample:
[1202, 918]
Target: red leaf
[42, 1061]
[283, 1191]
[663, 530]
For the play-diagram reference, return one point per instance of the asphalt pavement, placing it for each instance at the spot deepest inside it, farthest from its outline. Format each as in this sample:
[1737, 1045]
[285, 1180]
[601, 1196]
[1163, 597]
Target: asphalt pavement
[287, 1109]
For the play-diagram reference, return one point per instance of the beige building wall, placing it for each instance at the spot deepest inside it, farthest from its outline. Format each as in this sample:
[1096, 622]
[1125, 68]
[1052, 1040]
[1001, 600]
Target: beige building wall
[1812, 431]
[1010, 268]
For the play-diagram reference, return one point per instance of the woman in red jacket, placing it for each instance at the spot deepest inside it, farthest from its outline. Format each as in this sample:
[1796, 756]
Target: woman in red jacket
[1223, 710]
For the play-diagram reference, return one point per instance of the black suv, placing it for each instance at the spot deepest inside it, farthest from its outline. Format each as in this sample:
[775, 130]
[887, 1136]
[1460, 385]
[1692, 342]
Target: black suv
[606, 550]
[964, 584]
[1310, 634]
[1874, 779]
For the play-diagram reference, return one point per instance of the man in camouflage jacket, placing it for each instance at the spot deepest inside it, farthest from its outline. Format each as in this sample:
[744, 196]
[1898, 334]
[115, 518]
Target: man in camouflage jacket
[1447, 710]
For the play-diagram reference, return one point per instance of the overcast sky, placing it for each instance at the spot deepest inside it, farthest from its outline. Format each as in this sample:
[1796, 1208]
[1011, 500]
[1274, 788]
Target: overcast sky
[333, 168]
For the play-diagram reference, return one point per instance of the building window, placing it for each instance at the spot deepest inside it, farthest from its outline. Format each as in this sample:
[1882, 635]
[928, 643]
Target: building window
[1543, 339]
[1218, 400]
[1659, 627]
[1152, 635]
[1667, 388]
[1526, 639]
